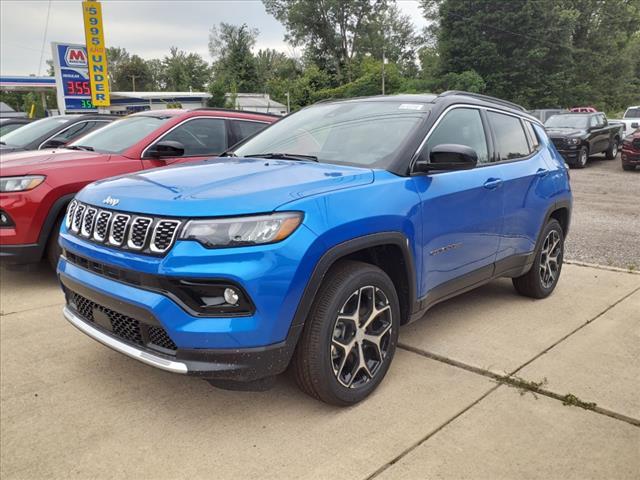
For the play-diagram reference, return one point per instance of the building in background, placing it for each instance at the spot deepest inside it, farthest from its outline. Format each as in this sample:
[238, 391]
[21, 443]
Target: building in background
[257, 102]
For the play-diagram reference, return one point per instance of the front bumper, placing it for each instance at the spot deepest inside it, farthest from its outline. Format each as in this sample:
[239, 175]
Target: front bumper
[234, 365]
[20, 254]
[630, 158]
[570, 156]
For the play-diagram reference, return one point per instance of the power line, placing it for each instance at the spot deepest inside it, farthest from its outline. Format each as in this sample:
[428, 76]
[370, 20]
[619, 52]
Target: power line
[44, 38]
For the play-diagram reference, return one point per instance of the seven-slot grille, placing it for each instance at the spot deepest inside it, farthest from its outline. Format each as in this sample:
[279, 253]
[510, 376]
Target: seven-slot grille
[122, 230]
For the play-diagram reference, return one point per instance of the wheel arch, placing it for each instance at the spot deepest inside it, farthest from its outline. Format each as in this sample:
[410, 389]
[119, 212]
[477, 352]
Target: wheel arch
[387, 250]
[56, 209]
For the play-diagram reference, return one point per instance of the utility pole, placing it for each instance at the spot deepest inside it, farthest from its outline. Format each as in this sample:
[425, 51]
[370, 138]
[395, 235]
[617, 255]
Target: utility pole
[133, 81]
[383, 59]
[288, 103]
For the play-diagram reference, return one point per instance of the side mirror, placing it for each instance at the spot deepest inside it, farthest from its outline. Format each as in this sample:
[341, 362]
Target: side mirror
[165, 149]
[53, 143]
[448, 156]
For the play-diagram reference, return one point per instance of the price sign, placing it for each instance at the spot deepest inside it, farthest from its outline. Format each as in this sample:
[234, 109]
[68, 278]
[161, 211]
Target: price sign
[71, 69]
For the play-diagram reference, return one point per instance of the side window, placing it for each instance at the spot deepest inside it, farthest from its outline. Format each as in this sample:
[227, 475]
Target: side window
[245, 129]
[601, 120]
[200, 136]
[593, 121]
[73, 131]
[533, 138]
[511, 142]
[464, 127]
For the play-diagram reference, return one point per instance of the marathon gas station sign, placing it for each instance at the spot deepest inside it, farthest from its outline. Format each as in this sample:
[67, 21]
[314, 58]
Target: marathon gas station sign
[73, 86]
[81, 76]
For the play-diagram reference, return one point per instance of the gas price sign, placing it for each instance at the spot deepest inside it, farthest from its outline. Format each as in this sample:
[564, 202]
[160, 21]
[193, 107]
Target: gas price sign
[71, 68]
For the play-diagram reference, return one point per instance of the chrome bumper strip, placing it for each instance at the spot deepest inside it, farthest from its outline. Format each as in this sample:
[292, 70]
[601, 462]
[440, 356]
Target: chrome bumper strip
[130, 351]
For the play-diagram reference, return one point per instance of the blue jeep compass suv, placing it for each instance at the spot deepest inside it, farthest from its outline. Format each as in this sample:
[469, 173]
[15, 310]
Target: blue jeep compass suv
[313, 241]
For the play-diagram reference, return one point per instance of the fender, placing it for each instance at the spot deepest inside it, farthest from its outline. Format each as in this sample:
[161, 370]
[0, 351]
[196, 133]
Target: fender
[57, 207]
[341, 250]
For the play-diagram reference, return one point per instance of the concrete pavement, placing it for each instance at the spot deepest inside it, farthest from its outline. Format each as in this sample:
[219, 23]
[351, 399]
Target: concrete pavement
[73, 408]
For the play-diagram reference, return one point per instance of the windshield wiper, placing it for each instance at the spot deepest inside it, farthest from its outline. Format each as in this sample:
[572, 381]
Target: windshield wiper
[79, 147]
[284, 156]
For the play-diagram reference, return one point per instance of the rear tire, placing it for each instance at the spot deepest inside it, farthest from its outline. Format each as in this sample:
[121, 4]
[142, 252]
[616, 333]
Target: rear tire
[53, 247]
[544, 274]
[350, 335]
[612, 151]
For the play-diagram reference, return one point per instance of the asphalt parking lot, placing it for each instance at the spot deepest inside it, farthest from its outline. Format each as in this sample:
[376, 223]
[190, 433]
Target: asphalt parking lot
[605, 223]
[489, 385]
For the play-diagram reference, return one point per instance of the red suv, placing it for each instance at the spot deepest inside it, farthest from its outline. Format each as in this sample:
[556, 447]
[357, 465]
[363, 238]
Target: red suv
[35, 187]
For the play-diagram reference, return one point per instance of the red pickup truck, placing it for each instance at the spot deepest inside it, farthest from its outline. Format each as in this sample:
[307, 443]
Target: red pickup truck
[35, 187]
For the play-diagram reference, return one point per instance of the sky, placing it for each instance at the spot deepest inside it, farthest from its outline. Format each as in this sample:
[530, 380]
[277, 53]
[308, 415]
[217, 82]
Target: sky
[147, 28]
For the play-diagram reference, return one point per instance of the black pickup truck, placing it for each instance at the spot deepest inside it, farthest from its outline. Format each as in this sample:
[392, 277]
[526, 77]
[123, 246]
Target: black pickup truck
[578, 135]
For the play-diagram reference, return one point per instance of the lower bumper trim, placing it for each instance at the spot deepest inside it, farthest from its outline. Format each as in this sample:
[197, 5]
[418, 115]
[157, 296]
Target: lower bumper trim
[119, 346]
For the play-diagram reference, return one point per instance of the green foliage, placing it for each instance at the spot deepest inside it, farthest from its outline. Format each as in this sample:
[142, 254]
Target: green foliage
[540, 53]
[185, 71]
[234, 64]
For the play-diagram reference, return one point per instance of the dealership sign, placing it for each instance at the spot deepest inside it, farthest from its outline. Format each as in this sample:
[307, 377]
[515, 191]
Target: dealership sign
[71, 70]
[97, 53]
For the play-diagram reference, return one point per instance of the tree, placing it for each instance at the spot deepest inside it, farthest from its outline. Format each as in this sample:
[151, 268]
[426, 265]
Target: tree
[541, 53]
[155, 68]
[234, 64]
[330, 30]
[133, 75]
[184, 72]
[116, 56]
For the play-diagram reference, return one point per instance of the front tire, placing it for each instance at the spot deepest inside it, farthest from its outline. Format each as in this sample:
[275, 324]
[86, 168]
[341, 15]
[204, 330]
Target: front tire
[53, 246]
[350, 336]
[583, 158]
[612, 151]
[543, 276]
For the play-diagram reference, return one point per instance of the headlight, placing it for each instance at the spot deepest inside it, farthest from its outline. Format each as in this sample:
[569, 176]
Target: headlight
[238, 231]
[20, 184]
[573, 141]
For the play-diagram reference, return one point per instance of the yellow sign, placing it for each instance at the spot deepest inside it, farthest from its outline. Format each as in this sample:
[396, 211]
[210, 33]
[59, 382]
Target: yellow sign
[96, 53]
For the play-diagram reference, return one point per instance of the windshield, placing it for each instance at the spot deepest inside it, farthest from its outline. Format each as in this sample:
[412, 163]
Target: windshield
[632, 113]
[119, 135]
[361, 133]
[567, 121]
[33, 131]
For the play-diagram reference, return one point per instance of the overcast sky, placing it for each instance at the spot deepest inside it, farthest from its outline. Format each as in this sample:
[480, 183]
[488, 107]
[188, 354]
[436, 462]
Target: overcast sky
[144, 27]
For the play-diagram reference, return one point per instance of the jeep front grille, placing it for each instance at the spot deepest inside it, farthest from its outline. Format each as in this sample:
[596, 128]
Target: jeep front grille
[125, 231]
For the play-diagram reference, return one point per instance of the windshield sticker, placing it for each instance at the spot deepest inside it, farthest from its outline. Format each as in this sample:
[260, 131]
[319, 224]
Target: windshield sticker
[410, 106]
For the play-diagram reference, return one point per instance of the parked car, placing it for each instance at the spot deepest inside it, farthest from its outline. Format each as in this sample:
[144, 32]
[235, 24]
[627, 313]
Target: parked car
[631, 151]
[51, 132]
[9, 124]
[630, 120]
[35, 187]
[583, 110]
[313, 241]
[578, 135]
[543, 115]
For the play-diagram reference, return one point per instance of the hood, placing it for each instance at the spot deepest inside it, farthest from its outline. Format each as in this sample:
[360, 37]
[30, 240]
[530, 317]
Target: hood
[39, 161]
[8, 149]
[564, 132]
[220, 187]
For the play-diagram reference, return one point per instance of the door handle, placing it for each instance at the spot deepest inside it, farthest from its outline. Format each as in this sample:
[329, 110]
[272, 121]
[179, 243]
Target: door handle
[542, 172]
[492, 183]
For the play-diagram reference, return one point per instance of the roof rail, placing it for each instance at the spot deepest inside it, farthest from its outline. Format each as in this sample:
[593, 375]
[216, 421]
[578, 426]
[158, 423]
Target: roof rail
[486, 98]
[216, 109]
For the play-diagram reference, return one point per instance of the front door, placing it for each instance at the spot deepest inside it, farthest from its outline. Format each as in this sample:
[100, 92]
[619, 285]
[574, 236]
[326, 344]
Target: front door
[461, 210]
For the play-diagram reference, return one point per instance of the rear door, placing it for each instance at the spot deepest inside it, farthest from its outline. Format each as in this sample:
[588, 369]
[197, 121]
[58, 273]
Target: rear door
[528, 185]
[461, 210]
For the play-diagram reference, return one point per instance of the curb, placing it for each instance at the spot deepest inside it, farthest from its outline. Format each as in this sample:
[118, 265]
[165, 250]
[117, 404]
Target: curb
[602, 267]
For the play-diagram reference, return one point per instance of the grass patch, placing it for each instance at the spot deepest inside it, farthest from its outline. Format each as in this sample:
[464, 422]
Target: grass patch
[571, 400]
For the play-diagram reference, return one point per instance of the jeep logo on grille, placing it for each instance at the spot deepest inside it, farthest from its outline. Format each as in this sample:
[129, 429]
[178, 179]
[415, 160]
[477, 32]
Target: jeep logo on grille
[111, 201]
